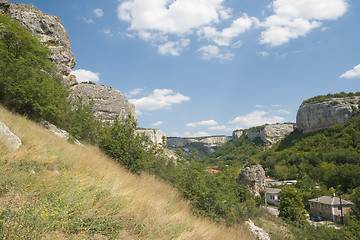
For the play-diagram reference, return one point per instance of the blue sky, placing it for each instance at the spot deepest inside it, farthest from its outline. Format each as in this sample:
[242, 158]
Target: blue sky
[208, 67]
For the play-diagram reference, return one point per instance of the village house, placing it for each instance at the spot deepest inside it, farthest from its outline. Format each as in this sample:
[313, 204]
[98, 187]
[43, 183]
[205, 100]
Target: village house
[272, 196]
[329, 208]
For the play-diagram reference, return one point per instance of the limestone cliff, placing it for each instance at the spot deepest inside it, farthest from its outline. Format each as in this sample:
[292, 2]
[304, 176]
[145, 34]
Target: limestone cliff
[156, 136]
[271, 133]
[50, 32]
[314, 116]
[107, 103]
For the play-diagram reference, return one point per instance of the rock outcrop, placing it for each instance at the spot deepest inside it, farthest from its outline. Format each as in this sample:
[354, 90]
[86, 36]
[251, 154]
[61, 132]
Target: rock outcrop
[237, 134]
[312, 117]
[253, 177]
[106, 102]
[258, 233]
[50, 32]
[272, 133]
[156, 136]
[58, 132]
[7, 137]
[209, 141]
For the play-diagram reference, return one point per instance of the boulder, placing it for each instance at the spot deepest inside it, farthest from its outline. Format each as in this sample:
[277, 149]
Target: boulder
[10, 140]
[106, 102]
[253, 177]
[315, 116]
[272, 133]
[256, 232]
[58, 132]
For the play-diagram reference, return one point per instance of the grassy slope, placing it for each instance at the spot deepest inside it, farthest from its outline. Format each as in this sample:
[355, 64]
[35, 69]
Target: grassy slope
[51, 189]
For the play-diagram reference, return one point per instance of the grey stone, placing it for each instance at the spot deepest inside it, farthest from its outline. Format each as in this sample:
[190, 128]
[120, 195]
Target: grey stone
[58, 132]
[253, 177]
[237, 134]
[272, 133]
[106, 102]
[9, 138]
[156, 136]
[312, 117]
[256, 232]
[50, 32]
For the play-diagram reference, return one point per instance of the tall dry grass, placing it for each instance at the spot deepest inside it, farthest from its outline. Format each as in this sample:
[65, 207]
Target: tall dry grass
[63, 185]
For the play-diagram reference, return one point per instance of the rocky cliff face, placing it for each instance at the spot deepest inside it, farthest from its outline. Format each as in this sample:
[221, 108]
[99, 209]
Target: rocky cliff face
[272, 133]
[316, 116]
[237, 134]
[156, 136]
[253, 177]
[51, 33]
[210, 141]
[107, 103]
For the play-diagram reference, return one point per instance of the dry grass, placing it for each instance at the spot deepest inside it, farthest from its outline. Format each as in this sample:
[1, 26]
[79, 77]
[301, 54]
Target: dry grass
[146, 207]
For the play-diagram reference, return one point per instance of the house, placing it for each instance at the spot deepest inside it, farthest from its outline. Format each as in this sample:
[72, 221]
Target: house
[214, 169]
[274, 182]
[329, 208]
[272, 196]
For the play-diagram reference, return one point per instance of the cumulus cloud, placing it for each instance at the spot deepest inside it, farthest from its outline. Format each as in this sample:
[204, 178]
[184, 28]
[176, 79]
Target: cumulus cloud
[159, 123]
[177, 17]
[255, 118]
[355, 72]
[108, 32]
[221, 128]
[295, 18]
[213, 52]
[173, 48]
[134, 92]
[83, 75]
[159, 99]
[98, 12]
[198, 134]
[202, 123]
[226, 36]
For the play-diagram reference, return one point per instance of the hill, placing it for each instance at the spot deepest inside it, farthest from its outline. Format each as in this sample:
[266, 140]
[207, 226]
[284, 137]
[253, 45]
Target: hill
[52, 189]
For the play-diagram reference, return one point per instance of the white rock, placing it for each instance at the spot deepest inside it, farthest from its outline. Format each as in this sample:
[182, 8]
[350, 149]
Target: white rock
[8, 138]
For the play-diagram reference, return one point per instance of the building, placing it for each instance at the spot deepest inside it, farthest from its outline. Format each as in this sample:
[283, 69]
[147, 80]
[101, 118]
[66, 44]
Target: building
[273, 182]
[272, 196]
[329, 208]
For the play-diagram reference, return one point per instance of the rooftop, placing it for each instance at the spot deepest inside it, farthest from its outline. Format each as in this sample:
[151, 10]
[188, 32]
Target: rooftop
[333, 201]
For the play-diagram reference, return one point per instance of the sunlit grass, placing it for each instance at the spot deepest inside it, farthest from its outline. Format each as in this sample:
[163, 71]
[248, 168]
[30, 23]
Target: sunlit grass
[52, 189]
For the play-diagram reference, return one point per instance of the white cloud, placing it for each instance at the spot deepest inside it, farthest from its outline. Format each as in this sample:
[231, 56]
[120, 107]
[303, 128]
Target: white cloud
[88, 20]
[222, 128]
[159, 123]
[295, 18]
[263, 53]
[202, 123]
[107, 32]
[259, 106]
[255, 118]
[173, 48]
[98, 12]
[283, 111]
[355, 72]
[212, 51]
[226, 36]
[198, 134]
[134, 92]
[83, 75]
[159, 99]
[171, 17]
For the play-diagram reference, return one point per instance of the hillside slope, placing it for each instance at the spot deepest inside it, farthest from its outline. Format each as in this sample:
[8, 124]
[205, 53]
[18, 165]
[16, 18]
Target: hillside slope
[51, 189]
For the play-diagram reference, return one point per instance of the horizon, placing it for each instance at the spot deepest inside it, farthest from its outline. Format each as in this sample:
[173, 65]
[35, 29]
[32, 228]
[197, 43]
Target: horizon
[196, 69]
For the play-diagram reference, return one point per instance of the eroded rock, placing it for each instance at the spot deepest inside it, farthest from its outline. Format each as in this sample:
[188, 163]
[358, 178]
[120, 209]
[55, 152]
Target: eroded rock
[253, 177]
[10, 140]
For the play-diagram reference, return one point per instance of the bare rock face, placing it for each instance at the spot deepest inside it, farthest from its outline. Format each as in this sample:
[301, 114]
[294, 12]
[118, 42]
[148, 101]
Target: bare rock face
[50, 32]
[156, 136]
[258, 233]
[9, 138]
[272, 133]
[107, 103]
[253, 177]
[58, 132]
[312, 117]
[237, 134]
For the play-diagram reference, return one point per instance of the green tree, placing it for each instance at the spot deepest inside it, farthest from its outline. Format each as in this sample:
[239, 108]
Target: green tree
[291, 207]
